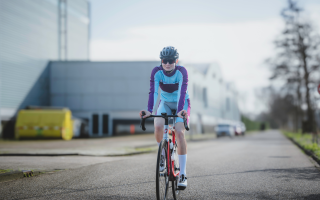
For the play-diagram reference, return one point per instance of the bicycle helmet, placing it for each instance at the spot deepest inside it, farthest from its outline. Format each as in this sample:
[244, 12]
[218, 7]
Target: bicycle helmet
[169, 52]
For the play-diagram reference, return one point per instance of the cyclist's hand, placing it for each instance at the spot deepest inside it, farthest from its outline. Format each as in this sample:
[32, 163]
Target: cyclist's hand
[183, 112]
[147, 113]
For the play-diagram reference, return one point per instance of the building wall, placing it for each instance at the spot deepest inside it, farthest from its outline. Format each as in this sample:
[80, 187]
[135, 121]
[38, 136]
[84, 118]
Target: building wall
[116, 89]
[29, 35]
[120, 90]
[213, 100]
[78, 15]
[92, 86]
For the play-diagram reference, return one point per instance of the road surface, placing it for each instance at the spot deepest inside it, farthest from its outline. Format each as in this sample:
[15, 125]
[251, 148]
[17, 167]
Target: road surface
[261, 166]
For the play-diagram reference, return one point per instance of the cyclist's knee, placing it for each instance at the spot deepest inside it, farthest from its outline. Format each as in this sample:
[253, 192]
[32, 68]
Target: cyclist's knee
[180, 133]
[158, 128]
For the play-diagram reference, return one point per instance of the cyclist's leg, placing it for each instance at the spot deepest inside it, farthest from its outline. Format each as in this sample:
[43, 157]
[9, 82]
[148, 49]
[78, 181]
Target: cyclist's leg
[159, 122]
[180, 130]
[158, 129]
[182, 154]
[182, 146]
[182, 143]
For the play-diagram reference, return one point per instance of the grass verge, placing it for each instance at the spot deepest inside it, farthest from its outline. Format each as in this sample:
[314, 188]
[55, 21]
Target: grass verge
[5, 170]
[305, 141]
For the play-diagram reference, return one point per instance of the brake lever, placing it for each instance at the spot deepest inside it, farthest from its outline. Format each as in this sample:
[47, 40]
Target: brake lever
[185, 123]
[143, 121]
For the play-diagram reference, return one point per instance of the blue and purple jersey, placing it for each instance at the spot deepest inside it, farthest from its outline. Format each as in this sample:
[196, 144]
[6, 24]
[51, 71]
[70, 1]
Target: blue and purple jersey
[173, 87]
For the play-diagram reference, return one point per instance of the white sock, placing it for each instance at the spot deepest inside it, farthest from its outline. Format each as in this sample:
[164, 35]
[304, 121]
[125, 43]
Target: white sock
[183, 164]
[158, 143]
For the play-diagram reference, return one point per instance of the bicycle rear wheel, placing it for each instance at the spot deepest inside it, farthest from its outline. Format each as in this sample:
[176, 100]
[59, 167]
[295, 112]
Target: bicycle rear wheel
[162, 179]
[175, 192]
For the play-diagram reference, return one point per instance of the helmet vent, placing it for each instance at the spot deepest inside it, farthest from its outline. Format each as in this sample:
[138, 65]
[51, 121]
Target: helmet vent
[169, 52]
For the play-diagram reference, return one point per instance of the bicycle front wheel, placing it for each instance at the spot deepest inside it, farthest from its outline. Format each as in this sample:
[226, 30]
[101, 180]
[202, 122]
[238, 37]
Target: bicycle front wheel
[162, 179]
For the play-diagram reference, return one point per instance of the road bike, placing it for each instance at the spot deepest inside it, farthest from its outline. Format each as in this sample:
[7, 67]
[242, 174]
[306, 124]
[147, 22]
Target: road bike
[167, 169]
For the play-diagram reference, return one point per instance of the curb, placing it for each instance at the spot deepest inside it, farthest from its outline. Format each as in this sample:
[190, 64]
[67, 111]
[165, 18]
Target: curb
[128, 154]
[79, 154]
[309, 153]
[39, 154]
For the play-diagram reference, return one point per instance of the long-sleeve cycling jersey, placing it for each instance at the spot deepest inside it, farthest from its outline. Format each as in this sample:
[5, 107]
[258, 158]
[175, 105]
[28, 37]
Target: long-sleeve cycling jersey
[173, 87]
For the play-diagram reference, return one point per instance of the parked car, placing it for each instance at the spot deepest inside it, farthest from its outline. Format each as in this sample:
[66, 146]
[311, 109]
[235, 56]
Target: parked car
[224, 129]
[237, 129]
[240, 128]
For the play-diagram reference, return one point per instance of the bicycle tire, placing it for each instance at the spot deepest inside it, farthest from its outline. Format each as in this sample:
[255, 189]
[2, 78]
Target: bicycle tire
[174, 184]
[162, 179]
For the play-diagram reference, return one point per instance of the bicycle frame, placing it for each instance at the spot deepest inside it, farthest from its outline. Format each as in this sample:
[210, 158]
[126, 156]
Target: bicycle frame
[170, 163]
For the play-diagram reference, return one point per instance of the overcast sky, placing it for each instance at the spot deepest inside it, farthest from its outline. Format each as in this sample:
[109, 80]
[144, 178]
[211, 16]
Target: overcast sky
[236, 34]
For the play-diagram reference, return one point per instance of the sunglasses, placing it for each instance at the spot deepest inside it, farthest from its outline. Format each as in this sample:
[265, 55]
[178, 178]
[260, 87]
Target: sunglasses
[171, 61]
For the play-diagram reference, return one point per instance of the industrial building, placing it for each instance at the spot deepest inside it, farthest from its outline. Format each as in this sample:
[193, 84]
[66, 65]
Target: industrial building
[44, 61]
[31, 34]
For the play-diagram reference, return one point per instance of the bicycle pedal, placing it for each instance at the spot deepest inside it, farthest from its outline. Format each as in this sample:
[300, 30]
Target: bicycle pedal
[177, 169]
[181, 188]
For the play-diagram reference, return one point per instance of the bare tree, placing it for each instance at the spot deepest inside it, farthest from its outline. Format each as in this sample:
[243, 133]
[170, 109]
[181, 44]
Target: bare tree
[281, 109]
[297, 60]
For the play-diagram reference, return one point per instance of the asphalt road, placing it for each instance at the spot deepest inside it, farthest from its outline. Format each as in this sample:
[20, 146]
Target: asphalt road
[261, 166]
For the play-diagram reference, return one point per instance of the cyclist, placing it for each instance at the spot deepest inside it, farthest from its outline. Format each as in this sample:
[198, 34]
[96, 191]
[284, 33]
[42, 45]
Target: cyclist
[173, 82]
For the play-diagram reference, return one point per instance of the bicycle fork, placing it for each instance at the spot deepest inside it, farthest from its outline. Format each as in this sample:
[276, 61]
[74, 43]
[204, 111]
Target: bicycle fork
[170, 148]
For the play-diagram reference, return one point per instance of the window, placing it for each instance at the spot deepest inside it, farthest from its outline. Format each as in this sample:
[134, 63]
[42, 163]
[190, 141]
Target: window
[204, 97]
[105, 119]
[95, 123]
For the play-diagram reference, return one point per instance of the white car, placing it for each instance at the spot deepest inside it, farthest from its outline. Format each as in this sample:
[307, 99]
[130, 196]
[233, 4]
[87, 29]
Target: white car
[224, 129]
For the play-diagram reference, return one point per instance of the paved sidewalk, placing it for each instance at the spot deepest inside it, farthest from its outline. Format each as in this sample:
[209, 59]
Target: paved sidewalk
[110, 146]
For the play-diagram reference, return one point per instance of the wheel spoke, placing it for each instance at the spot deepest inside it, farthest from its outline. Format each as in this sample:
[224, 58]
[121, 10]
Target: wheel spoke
[162, 180]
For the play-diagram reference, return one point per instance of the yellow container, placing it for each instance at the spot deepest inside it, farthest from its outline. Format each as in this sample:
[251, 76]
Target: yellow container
[44, 124]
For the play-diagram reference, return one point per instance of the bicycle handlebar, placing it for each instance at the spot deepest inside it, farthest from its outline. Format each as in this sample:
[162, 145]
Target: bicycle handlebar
[163, 116]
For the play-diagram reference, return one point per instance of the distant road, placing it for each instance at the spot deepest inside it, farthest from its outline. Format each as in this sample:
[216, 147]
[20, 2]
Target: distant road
[261, 166]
